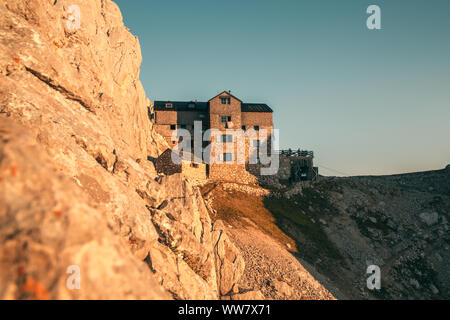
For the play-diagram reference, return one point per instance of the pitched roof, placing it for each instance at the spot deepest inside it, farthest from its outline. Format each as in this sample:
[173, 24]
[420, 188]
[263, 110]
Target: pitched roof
[203, 106]
[226, 92]
[181, 106]
[255, 107]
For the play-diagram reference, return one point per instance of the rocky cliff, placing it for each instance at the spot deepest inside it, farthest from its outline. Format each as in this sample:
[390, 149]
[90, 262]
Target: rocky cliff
[336, 228]
[77, 190]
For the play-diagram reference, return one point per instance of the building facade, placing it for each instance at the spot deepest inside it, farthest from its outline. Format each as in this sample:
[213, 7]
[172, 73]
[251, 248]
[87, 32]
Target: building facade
[230, 116]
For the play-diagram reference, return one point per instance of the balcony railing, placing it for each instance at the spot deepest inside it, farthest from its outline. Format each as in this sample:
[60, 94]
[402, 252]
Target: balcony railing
[296, 153]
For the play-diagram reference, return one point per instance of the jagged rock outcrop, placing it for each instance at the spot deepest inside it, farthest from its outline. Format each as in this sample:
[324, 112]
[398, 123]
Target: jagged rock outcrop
[229, 262]
[48, 225]
[76, 185]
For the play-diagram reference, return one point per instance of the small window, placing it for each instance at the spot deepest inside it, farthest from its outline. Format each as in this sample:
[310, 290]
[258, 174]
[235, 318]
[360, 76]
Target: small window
[173, 126]
[227, 157]
[182, 126]
[243, 128]
[229, 118]
[256, 128]
[227, 138]
[201, 115]
[194, 165]
[223, 119]
[225, 100]
[191, 105]
[169, 105]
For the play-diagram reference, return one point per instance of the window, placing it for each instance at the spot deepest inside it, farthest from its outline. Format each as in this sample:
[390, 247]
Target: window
[201, 115]
[173, 126]
[243, 128]
[191, 105]
[227, 157]
[182, 126]
[225, 100]
[256, 128]
[227, 138]
[225, 119]
[169, 105]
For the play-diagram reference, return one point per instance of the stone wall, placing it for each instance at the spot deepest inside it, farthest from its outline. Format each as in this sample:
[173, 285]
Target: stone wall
[262, 119]
[257, 191]
[231, 172]
[195, 172]
[163, 120]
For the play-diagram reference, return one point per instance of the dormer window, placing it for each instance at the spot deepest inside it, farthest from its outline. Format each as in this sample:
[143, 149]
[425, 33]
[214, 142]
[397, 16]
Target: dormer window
[169, 105]
[225, 100]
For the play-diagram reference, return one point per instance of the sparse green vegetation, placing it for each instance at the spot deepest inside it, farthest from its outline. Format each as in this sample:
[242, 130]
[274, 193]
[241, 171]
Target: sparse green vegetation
[365, 224]
[294, 210]
[287, 220]
[235, 207]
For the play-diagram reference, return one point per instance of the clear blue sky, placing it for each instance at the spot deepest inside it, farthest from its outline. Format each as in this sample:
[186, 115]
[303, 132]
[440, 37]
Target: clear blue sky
[367, 102]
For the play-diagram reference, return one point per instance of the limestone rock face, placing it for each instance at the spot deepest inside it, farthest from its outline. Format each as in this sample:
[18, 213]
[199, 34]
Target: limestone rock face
[189, 238]
[76, 186]
[250, 295]
[48, 226]
[96, 67]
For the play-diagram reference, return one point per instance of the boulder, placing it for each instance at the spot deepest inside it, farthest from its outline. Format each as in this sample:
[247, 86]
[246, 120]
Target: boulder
[430, 218]
[282, 288]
